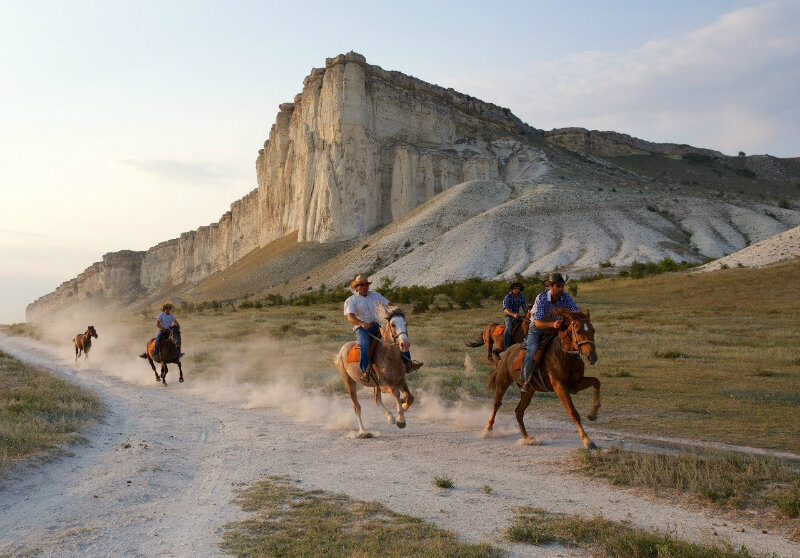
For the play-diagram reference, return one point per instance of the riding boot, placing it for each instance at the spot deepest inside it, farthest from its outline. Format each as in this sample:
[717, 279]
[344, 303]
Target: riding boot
[412, 365]
[526, 385]
[365, 375]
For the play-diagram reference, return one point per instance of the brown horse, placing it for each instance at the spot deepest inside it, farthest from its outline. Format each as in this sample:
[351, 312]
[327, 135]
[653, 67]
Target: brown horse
[167, 354]
[560, 370]
[83, 342]
[387, 367]
[494, 335]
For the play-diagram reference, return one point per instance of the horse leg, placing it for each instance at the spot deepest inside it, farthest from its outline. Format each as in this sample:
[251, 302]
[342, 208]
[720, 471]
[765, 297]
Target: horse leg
[76, 353]
[489, 345]
[586, 382]
[409, 399]
[164, 373]
[566, 400]
[180, 369]
[500, 388]
[401, 419]
[386, 412]
[350, 384]
[524, 401]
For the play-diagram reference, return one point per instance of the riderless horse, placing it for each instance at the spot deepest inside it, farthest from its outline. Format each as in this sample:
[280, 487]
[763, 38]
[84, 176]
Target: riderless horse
[560, 370]
[387, 373]
[83, 342]
[167, 354]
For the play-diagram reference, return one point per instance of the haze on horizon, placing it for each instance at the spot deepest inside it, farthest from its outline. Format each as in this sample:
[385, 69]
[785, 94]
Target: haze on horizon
[124, 125]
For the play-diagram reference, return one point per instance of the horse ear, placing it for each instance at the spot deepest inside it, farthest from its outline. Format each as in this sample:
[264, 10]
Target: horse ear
[587, 313]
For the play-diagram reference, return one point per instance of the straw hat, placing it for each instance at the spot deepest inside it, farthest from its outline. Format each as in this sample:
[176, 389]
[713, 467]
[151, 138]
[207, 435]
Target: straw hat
[359, 280]
[166, 305]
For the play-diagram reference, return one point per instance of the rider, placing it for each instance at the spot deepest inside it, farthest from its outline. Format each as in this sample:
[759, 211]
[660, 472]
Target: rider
[165, 320]
[544, 320]
[514, 306]
[361, 310]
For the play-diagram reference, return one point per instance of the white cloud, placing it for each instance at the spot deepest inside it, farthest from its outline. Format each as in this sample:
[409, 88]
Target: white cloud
[731, 85]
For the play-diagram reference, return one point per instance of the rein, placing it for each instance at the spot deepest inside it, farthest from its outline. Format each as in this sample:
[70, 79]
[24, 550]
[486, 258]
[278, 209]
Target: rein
[577, 352]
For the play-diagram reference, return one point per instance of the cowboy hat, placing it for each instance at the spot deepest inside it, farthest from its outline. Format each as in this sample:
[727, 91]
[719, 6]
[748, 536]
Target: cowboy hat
[360, 279]
[166, 305]
[516, 284]
[555, 278]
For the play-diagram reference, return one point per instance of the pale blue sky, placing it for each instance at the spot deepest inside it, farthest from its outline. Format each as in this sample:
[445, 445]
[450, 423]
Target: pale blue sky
[123, 124]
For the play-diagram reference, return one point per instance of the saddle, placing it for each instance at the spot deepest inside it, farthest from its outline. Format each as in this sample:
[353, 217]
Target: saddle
[355, 352]
[537, 357]
[498, 330]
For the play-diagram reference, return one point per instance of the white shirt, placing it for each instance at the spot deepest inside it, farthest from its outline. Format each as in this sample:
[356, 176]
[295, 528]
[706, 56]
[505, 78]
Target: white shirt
[365, 307]
[165, 319]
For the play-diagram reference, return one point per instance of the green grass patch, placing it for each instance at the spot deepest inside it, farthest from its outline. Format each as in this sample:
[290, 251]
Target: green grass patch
[443, 482]
[724, 479]
[669, 354]
[293, 522]
[612, 539]
[38, 411]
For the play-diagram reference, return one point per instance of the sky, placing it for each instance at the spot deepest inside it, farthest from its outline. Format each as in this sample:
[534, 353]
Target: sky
[123, 124]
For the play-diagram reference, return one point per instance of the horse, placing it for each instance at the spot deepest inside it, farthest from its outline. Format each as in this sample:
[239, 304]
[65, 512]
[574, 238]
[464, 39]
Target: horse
[167, 354]
[494, 334]
[387, 366]
[83, 342]
[560, 370]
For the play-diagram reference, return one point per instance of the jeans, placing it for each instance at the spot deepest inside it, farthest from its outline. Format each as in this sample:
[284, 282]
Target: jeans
[364, 339]
[535, 336]
[509, 327]
[162, 333]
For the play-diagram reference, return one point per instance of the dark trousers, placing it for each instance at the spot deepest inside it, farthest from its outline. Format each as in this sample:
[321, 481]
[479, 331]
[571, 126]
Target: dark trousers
[509, 327]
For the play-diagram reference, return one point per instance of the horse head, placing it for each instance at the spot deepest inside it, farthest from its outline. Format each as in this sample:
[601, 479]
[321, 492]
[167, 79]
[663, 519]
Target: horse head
[91, 332]
[578, 335]
[174, 334]
[396, 330]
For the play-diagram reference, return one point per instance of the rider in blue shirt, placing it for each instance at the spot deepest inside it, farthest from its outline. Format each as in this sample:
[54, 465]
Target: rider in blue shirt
[544, 320]
[514, 306]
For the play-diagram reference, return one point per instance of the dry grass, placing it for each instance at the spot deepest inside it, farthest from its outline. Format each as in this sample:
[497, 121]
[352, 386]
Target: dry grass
[608, 538]
[293, 522]
[38, 412]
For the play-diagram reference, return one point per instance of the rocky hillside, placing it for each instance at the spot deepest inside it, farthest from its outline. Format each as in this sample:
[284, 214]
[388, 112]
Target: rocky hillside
[371, 170]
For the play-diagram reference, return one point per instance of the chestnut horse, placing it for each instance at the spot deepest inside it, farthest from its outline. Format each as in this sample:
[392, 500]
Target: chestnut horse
[83, 342]
[387, 367]
[560, 370]
[167, 354]
[494, 335]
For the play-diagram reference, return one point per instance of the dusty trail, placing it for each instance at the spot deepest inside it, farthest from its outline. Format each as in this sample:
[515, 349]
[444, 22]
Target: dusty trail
[156, 477]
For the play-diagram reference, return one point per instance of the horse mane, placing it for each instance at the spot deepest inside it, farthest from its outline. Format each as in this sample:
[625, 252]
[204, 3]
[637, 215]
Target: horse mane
[393, 311]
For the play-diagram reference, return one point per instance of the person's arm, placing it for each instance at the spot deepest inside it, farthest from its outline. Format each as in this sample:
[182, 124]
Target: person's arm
[158, 324]
[353, 319]
[541, 324]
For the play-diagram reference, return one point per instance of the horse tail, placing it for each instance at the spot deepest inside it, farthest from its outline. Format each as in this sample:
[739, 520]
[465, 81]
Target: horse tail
[479, 340]
[143, 355]
[490, 381]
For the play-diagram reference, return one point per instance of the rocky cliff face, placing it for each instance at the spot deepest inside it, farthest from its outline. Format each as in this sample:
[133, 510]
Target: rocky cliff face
[357, 149]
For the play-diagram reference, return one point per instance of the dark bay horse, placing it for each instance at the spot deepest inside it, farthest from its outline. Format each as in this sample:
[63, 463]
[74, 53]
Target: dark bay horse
[494, 337]
[388, 367]
[560, 371]
[167, 354]
[83, 342]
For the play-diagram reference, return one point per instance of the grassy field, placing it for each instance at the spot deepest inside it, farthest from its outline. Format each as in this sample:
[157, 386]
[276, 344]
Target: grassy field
[38, 412]
[710, 356]
[289, 521]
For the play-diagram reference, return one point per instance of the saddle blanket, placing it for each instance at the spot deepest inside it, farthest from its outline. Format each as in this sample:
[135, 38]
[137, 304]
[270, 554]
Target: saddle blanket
[354, 355]
[498, 330]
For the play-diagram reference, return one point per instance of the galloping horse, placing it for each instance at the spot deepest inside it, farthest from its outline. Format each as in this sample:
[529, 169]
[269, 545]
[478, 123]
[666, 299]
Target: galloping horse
[167, 354]
[83, 342]
[494, 334]
[388, 369]
[560, 370]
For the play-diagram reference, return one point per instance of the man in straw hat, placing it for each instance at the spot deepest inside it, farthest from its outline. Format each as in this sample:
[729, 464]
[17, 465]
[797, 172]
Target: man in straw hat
[361, 310]
[165, 320]
[544, 321]
[514, 306]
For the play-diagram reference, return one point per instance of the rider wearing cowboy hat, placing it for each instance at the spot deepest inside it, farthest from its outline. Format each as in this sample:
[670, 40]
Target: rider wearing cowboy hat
[544, 321]
[514, 306]
[361, 310]
[165, 320]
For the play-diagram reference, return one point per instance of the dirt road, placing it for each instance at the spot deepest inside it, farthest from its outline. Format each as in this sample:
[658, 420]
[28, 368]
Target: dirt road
[156, 477]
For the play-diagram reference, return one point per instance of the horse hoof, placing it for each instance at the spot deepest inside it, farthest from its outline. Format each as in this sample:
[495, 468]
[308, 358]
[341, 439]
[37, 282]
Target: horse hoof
[181, 381]
[592, 446]
[390, 419]
[591, 417]
[365, 435]
[401, 424]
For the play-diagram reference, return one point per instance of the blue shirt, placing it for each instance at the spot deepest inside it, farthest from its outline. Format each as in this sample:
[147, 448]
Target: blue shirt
[543, 306]
[516, 304]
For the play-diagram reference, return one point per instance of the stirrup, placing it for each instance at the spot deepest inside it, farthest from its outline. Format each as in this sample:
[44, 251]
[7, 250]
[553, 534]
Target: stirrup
[413, 365]
[365, 376]
[525, 387]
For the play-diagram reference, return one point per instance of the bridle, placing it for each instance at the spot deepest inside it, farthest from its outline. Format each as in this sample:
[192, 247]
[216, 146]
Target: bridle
[576, 353]
[397, 333]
